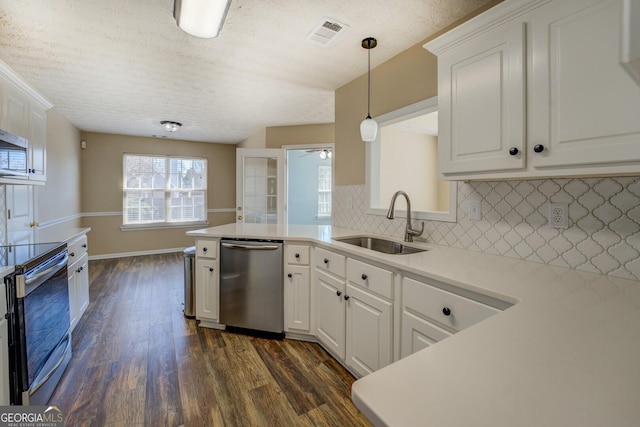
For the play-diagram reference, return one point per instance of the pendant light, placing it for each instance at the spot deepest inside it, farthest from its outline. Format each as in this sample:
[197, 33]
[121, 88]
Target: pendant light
[201, 18]
[369, 127]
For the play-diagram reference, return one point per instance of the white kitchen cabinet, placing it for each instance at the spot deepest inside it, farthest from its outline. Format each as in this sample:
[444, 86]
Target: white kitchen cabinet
[582, 107]
[331, 316]
[78, 275]
[4, 363]
[430, 314]
[354, 309]
[481, 102]
[37, 135]
[297, 289]
[207, 282]
[369, 338]
[23, 112]
[585, 107]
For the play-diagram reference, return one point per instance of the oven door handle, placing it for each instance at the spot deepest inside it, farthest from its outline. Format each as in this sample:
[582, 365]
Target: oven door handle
[42, 379]
[47, 270]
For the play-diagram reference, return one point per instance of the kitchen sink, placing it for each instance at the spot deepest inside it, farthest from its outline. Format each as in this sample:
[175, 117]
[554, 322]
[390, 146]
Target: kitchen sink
[381, 245]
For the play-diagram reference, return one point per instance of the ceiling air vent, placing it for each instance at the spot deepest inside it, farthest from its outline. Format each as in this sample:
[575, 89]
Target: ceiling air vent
[326, 31]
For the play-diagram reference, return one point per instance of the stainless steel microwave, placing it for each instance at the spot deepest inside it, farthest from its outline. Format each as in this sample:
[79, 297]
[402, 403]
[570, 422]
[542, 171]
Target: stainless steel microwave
[13, 155]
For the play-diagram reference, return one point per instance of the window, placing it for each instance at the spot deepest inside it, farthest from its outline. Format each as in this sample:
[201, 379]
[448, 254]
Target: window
[161, 190]
[324, 191]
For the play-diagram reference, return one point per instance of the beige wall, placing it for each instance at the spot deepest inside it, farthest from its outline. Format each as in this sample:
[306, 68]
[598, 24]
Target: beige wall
[257, 140]
[278, 136]
[59, 198]
[102, 190]
[407, 78]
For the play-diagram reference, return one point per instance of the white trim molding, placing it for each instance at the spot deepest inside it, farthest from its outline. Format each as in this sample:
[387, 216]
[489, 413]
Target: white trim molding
[136, 253]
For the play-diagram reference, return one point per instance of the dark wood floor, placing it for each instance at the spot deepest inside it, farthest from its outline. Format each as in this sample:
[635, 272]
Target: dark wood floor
[138, 362]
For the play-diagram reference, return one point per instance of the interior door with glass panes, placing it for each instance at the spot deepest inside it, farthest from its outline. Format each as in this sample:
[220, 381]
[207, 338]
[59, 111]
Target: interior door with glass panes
[259, 186]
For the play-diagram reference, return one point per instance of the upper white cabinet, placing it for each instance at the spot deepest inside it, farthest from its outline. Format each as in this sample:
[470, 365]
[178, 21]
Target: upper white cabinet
[483, 122]
[585, 107]
[537, 88]
[23, 112]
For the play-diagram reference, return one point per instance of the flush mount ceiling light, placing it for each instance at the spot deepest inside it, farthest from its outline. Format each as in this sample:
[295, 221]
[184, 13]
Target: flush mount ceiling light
[201, 18]
[170, 126]
[369, 127]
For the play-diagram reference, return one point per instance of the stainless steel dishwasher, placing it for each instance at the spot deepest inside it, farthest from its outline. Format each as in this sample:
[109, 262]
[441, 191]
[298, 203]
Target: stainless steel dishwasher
[251, 284]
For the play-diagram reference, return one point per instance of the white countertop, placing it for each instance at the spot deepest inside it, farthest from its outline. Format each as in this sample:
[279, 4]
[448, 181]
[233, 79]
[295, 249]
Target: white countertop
[567, 353]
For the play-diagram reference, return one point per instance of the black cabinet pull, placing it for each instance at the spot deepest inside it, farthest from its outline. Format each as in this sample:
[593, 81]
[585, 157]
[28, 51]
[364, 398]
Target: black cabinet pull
[364, 276]
[326, 261]
[84, 245]
[204, 249]
[446, 311]
[514, 151]
[538, 148]
[297, 255]
[210, 269]
[72, 254]
[289, 275]
[346, 297]
[338, 293]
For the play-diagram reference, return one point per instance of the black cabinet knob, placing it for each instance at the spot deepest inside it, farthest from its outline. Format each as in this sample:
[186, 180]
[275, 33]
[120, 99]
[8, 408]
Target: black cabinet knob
[72, 254]
[289, 275]
[346, 297]
[84, 246]
[338, 293]
[514, 151]
[204, 249]
[326, 261]
[538, 148]
[364, 276]
[446, 311]
[297, 255]
[210, 269]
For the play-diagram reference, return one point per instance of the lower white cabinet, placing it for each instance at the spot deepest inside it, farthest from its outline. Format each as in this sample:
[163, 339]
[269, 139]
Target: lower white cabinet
[331, 316]
[207, 281]
[418, 333]
[297, 289]
[369, 337]
[78, 275]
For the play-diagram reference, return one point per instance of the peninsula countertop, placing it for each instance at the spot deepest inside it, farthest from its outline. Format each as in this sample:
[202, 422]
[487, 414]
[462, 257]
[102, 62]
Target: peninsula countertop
[566, 352]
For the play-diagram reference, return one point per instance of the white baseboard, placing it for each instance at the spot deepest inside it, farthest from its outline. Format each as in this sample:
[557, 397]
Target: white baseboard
[137, 253]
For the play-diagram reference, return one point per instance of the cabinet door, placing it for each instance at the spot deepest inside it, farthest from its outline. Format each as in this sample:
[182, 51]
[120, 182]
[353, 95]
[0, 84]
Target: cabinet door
[584, 106]
[82, 285]
[37, 143]
[15, 111]
[330, 313]
[4, 363]
[297, 303]
[369, 336]
[417, 334]
[207, 289]
[481, 97]
[73, 304]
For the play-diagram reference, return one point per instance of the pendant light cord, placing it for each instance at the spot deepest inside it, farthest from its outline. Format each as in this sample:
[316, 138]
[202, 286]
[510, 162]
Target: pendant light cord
[369, 85]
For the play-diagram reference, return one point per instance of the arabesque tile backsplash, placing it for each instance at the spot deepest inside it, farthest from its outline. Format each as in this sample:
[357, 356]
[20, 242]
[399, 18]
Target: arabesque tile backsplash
[604, 222]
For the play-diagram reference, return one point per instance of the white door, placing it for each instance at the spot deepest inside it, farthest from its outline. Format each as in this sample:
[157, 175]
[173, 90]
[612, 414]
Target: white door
[20, 217]
[259, 186]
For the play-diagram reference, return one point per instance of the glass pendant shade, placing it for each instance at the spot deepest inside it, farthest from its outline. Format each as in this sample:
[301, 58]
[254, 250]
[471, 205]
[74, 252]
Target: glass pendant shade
[368, 129]
[201, 18]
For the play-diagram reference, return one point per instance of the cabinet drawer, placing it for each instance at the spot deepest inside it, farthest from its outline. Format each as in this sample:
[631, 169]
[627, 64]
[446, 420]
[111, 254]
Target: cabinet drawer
[372, 278]
[433, 303]
[207, 248]
[76, 249]
[331, 262]
[297, 254]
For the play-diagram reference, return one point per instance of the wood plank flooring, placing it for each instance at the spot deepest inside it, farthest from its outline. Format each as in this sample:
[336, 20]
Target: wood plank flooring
[138, 362]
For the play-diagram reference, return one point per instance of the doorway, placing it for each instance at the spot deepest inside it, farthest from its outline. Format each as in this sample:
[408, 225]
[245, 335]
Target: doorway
[309, 184]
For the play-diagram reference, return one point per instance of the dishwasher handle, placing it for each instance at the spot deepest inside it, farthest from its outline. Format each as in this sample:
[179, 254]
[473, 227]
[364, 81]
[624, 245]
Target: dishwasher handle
[251, 247]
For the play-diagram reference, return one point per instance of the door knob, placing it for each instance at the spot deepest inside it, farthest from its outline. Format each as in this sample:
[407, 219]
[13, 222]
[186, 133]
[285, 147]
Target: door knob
[33, 224]
[240, 217]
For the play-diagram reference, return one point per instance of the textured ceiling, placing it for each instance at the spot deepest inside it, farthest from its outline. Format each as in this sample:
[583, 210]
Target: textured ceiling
[121, 66]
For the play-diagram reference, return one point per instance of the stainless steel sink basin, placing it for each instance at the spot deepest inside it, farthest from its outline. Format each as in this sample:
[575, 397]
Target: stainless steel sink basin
[381, 245]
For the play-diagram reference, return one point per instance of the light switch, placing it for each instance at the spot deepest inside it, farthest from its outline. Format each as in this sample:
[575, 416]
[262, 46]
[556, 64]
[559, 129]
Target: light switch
[474, 208]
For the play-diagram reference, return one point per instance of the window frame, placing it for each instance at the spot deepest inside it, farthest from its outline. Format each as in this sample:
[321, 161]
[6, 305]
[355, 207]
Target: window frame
[322, 215]
[167, 193]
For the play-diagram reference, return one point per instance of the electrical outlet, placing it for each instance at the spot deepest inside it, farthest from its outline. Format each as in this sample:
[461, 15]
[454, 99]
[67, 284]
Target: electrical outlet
[474, 208]
[558, 215]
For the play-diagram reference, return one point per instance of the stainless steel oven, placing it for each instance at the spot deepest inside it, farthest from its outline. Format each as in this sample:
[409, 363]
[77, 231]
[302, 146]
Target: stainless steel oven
[38, 314]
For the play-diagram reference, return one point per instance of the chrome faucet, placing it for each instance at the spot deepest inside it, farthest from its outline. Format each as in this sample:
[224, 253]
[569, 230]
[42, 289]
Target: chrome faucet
[408, 232]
